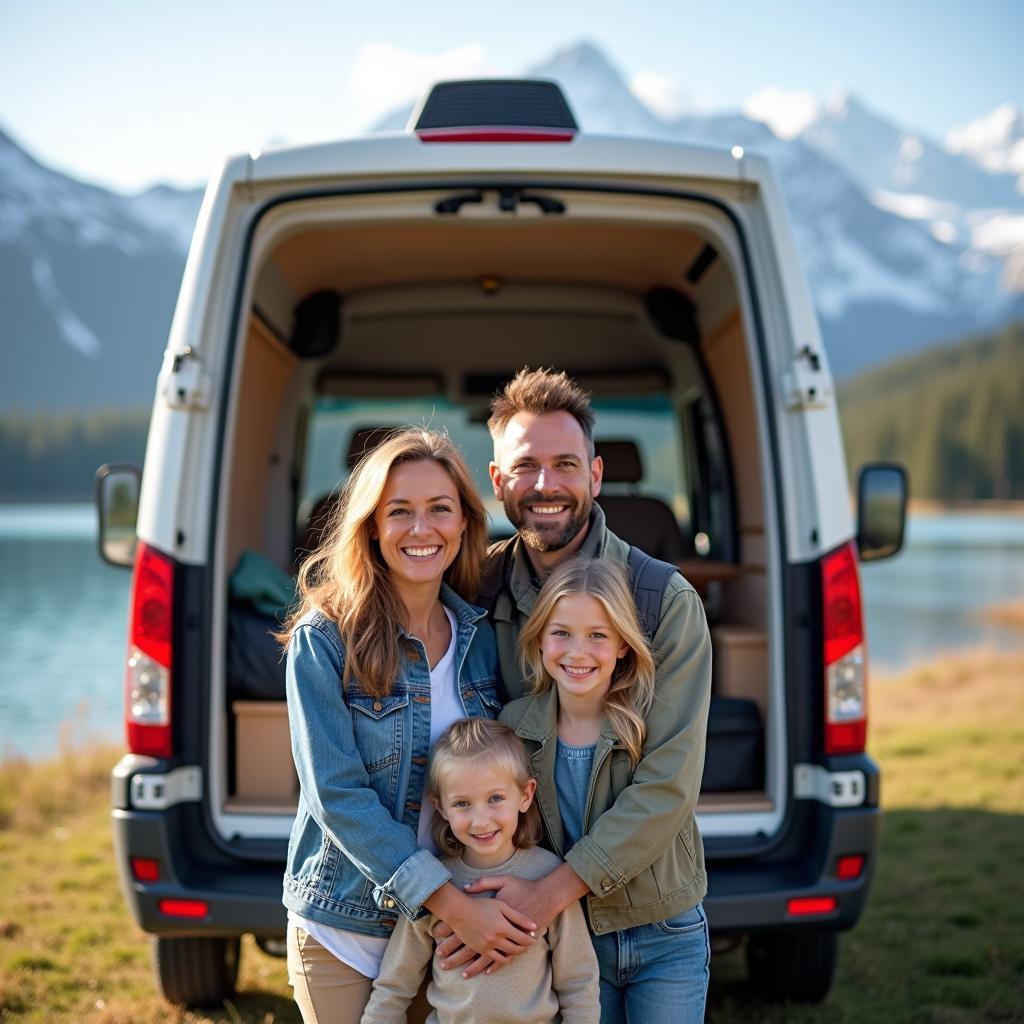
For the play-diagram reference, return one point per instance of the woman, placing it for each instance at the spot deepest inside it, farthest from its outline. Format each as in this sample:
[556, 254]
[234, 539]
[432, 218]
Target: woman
[383, 654]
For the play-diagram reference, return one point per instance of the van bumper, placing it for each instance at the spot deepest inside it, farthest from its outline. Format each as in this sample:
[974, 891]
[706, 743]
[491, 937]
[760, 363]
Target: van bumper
[239, 897]
[755, 896]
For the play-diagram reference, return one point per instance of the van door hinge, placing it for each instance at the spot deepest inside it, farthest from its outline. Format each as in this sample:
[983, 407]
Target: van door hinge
[187, 384]
[803, 383]
[837, 789]
[156, 792]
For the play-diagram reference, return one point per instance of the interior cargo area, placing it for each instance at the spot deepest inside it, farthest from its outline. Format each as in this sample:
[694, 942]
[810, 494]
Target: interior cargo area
[365, 315]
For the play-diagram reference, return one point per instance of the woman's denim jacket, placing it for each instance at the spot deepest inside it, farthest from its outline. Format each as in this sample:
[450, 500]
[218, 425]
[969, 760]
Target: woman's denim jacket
[353, 860]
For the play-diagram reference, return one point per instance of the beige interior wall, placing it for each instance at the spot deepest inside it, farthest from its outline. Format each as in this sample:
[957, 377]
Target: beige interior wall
[726, 357]
[267, 368]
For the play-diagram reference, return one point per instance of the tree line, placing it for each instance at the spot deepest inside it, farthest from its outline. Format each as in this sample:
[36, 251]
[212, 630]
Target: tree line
[48, 456]
[954, 416]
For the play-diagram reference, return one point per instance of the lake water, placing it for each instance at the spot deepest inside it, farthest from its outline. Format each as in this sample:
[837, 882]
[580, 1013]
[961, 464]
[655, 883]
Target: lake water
[63, 613]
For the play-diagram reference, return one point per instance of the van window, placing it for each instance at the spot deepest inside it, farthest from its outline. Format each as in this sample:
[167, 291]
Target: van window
[650, 421]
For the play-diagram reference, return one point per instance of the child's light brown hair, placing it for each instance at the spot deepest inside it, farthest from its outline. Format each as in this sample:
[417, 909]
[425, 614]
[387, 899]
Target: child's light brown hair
[631, 693]
[480, 742]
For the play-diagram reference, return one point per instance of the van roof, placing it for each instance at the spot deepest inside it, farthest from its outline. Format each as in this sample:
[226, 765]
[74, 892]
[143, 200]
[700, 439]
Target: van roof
[400, 153]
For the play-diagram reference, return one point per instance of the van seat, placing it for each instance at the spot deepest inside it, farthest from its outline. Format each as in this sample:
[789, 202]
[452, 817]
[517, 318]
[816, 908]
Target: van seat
[644, 522]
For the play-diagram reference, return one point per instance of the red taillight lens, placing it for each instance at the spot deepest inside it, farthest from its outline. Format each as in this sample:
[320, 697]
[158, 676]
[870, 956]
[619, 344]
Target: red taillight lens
[148, 679]
[184, 908]
[145, 869]
[808, 906]
[152, 594]
[495, 134]
[841, 593]
[845, 666]
[850, 867]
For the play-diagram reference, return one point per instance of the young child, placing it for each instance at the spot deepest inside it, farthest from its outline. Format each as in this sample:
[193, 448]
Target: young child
[592, 676]
[486, 821]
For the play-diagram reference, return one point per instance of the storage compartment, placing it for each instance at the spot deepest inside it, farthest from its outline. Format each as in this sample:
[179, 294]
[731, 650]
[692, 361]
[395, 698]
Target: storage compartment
[734, 760]
[264, 773]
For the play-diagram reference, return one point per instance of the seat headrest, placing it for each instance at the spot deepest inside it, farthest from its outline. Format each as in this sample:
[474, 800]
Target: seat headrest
[363, 441]
[622, 463]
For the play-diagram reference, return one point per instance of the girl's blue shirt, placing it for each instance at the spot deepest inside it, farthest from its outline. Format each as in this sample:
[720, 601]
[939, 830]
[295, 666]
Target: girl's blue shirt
[361, 760]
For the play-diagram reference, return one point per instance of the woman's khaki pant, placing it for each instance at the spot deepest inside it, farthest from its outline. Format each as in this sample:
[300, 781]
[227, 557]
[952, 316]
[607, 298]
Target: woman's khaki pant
[327, 990]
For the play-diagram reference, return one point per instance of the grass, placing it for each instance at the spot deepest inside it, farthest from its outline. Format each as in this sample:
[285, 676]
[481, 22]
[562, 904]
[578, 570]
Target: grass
[942, 940]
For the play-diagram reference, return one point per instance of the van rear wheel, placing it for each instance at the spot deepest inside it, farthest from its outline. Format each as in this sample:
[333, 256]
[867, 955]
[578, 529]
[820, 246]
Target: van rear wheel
[797, 966]
[196, 972]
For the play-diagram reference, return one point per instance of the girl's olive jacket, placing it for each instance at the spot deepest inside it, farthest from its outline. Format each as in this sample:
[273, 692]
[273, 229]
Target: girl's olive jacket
[642, 855]
[658, 866]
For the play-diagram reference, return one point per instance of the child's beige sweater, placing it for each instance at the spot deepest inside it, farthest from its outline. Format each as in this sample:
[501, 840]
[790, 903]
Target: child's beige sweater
[555, 979]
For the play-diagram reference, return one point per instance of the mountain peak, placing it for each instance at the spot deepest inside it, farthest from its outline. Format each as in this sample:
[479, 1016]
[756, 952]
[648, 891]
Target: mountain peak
[582, 57]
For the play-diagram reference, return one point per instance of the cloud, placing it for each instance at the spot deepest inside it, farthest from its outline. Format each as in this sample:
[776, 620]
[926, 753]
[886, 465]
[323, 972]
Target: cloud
[384, 76]
[663, 95]
[786, 112]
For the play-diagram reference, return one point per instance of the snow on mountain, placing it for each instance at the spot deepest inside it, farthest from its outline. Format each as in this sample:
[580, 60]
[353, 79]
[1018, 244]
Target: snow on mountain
[961, 204]
[786, 112]
[994, 141]
[882, 155]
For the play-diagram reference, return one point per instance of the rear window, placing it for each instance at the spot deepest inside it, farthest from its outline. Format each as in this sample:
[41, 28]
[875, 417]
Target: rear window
[675, 466]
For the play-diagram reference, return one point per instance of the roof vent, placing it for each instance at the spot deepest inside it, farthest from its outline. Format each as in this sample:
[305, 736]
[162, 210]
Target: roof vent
[494, 110]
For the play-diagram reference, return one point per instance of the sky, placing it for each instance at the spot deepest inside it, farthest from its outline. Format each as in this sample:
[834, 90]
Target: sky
[128, 93]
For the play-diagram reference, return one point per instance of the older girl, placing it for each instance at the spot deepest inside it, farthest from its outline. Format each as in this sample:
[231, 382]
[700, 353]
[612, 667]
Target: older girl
[383, 653]
[592, 676]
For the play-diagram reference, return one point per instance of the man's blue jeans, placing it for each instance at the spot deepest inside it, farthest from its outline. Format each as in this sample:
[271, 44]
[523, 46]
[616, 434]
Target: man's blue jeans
[656, 973]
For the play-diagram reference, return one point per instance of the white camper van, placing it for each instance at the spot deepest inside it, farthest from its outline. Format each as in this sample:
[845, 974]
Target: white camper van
[337, 289]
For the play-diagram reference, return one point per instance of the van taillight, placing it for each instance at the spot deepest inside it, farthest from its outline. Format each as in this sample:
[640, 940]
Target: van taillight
[846, 718]
[148, 678]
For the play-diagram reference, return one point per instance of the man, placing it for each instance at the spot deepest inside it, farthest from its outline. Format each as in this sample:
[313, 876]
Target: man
[546, 475]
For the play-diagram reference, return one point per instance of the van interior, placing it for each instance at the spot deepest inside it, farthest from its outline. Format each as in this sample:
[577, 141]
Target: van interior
[362, 314]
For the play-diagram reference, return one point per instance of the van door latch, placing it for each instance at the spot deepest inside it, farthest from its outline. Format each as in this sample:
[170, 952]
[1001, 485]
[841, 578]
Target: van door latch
[185, 384]
[804, 384]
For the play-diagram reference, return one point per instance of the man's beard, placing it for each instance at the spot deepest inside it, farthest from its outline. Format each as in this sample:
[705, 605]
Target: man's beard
[547, 536]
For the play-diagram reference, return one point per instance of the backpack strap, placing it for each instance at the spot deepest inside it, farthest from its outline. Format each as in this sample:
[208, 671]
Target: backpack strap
[492, 579]
[650, 578]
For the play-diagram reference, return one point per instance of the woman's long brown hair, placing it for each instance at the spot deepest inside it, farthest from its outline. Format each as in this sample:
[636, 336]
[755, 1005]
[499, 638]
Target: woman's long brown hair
[347, 580]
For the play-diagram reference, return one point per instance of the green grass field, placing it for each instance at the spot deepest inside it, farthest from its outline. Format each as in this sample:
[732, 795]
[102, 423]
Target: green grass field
[942, 940]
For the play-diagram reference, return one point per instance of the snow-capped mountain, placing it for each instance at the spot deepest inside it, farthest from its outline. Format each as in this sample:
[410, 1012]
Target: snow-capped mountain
[905, 242]
[88, 280]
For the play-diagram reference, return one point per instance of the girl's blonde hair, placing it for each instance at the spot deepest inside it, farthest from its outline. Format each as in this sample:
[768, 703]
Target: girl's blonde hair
[631, 693]
[482, 743]
[346, 578]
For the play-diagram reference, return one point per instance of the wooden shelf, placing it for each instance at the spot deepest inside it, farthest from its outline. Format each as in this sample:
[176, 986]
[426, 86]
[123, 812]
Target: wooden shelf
[260, 805]
[732, 803]
[702, 571]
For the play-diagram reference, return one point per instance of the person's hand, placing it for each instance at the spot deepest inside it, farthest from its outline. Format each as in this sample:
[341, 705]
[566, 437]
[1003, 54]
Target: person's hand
[530, 898]
[489, 930]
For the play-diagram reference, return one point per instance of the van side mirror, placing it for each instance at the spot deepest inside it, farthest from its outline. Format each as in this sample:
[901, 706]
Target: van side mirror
[881, 510]
[117, 503]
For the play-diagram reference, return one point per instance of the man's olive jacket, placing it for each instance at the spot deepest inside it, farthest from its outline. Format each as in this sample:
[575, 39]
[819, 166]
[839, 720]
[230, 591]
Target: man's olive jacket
[642, 855]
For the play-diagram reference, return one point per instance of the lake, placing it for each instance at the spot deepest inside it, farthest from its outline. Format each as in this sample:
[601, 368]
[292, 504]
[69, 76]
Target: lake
[63, 613]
